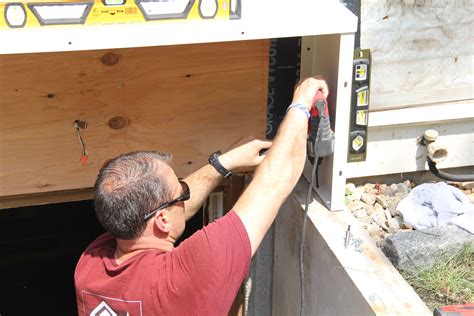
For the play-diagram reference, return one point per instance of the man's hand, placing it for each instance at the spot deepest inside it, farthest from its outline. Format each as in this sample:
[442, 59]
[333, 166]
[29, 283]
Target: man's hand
[244, 156]
[278, 173]
[305, 90]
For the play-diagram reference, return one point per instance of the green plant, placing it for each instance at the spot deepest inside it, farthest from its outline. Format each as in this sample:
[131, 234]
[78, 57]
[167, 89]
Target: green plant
[450, 280]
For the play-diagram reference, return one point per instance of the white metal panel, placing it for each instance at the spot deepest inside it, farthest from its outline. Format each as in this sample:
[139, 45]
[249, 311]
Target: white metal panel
[331, 57]
[260, 19]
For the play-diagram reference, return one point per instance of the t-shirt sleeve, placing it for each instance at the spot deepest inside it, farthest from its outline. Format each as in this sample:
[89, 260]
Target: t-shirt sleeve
[211, 265]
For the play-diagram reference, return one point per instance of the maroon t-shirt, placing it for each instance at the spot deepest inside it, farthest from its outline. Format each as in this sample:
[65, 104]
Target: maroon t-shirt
[199, 277]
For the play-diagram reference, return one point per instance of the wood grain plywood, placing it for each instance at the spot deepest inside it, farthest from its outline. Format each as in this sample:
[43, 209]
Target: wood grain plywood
[189, 100]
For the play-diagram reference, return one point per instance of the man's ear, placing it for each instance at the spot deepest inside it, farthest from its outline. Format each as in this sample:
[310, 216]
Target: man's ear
[161, 222]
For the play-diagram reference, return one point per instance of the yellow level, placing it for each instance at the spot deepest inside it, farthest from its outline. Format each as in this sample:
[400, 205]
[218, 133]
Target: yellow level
[30, 14]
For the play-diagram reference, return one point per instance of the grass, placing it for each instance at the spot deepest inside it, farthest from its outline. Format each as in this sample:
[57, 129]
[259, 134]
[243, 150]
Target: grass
[449, 281]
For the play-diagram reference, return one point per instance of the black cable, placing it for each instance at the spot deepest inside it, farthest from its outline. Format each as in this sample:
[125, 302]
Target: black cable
[305, 219]
[447, 176]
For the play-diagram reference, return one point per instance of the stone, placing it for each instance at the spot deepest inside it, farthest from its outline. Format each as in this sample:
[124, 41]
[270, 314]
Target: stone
[467, 185]
[393, 225]
[420, 248]
[382, 200]
[406, 226]
[366, 220]
[350, 186]
[387, 214]
[379, 208]
[399, 220]
[394, 203]
[376, 234]
[355, 196]
[409, 184]
[379, 220]
[373, 228]
[355, 205]
[402, 188]
[361, 213]
[369, 209]
[379, 188]
[368, 198]
[369, 188]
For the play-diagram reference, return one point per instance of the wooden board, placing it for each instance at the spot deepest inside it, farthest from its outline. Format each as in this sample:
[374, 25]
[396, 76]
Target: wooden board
[188, 100]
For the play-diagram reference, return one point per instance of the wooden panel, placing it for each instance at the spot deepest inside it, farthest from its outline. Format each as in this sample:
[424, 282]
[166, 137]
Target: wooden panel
[188, 100]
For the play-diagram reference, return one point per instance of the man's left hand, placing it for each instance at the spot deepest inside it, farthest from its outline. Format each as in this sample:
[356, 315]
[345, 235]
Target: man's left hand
[244, 156]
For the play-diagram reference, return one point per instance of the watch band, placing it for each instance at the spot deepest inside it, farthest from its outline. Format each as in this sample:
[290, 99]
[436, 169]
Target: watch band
[214, 161]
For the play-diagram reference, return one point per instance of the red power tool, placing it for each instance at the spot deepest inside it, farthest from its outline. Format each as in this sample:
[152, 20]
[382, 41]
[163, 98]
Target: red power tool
[320, 135]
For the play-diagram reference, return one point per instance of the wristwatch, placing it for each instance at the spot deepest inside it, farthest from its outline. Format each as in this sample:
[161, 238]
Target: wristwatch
[214, 161]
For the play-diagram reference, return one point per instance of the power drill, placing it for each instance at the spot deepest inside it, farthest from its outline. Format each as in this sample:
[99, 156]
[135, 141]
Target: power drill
[320, 141]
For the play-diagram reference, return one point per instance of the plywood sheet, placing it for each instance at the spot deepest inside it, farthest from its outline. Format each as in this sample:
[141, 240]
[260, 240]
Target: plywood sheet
[189, 100]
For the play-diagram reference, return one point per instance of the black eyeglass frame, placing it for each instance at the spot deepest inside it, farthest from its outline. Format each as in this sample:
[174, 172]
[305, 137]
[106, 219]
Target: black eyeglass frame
[186, 195]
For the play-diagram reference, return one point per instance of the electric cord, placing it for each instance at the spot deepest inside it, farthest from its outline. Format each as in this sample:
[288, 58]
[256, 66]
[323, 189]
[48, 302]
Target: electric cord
[305, 220]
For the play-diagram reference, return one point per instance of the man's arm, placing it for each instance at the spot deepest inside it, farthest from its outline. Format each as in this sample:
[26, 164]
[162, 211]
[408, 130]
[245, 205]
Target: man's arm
[245, 156]
[277, 175]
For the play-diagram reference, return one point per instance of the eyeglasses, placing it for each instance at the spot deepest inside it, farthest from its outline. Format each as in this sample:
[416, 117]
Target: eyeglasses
[183, 197]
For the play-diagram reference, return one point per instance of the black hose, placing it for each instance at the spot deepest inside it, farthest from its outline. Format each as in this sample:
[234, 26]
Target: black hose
[447, 176]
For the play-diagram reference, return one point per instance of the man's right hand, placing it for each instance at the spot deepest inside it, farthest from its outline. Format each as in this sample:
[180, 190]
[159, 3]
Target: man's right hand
[306, 89]
[278, 173]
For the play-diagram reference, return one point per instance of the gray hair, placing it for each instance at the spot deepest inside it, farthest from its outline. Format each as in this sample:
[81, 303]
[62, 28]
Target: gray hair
[128, 187]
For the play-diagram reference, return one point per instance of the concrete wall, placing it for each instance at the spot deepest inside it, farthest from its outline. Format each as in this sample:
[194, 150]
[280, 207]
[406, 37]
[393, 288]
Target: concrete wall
[339, 281]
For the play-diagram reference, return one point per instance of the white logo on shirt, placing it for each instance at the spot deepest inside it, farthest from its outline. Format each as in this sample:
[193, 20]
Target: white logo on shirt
[103, 310]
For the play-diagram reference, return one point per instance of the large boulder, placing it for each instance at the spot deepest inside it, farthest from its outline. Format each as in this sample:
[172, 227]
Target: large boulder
[419, 248]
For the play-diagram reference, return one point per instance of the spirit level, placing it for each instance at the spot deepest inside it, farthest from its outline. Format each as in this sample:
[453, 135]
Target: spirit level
[359, 106]
[58, 13]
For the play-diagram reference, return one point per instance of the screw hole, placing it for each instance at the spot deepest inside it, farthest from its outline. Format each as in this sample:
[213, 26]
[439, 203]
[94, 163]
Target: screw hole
[345, 84]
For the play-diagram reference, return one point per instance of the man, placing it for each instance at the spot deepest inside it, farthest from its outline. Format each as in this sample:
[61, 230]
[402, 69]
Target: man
[134, 269]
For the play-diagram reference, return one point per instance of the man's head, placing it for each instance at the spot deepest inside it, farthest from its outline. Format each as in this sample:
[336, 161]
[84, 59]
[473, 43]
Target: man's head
[129, 187]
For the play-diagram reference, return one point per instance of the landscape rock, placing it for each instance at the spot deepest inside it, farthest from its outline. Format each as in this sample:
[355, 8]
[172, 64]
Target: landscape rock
[419, 248]
[393, 225]
[369, 209]
[369, 188]
[373, 228]
[350, 186]
[379, 220]
[368, 198]
[394, 203]
[355, 205]
[402, 188]
[382, 200]
[366, 220]
[360, 213]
